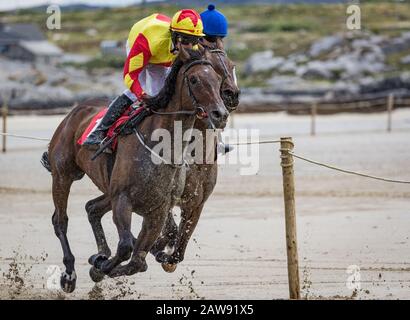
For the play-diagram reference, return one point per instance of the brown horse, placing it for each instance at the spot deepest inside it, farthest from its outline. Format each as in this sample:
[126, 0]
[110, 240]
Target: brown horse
[199, 184]
[201, 178]
[132, 182]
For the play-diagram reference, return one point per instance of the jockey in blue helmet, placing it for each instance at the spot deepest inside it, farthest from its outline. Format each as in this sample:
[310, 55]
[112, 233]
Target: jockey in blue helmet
[215, 26]
[215, 23]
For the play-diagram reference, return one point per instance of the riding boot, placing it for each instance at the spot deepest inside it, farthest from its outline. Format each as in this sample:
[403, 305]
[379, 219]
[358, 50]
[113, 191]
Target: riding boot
[115, 110]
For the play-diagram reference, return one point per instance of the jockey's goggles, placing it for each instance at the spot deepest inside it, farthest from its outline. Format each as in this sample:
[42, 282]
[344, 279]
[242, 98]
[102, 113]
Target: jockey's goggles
[186, 39]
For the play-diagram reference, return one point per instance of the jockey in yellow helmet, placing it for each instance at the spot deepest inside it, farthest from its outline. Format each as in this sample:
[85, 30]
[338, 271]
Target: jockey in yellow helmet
[151, 49]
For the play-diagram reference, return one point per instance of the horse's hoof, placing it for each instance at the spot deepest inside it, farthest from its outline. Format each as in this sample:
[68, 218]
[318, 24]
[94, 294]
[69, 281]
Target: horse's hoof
[67, 281]
[96, 275]
[97, 259]
[168, 267]
[162, 257]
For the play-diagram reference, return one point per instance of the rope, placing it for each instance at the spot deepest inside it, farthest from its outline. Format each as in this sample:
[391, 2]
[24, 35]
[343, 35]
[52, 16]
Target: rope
[248, 143]
[185, 164]
[259, 142]
[23, 137]
[347, 171]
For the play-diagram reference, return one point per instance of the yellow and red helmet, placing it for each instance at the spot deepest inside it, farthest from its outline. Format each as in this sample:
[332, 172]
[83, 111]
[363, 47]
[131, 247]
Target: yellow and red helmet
[187, 21]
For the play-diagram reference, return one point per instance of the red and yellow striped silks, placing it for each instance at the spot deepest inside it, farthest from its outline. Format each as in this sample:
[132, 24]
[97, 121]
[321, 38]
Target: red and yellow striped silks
[150, 42]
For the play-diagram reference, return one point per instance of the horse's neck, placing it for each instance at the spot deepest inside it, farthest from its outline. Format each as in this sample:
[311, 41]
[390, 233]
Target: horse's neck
[178, 128]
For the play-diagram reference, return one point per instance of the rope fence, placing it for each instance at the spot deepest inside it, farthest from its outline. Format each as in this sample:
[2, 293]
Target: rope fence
[258, 142]
[23, 137]
[261, 142]
[346, 171]
[322, 164]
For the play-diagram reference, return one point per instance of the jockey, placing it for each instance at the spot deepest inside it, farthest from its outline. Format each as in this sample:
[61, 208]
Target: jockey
[151, 49]
[215, 26]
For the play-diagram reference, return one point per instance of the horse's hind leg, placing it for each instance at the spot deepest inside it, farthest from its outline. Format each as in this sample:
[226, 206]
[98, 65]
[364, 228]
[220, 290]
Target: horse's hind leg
[61, 190]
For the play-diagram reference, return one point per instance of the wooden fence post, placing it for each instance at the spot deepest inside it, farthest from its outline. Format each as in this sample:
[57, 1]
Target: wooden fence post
[286, 145]
[313, 112]
[4, 113]
[390, 106]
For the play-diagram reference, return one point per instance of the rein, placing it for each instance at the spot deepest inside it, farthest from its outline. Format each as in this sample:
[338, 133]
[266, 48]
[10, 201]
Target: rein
[199, 112]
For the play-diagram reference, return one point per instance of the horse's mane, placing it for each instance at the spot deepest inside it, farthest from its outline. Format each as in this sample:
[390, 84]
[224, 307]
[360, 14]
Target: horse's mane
[162, 99]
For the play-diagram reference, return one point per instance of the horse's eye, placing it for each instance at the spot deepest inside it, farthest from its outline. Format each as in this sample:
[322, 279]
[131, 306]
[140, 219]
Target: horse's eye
[193, 80]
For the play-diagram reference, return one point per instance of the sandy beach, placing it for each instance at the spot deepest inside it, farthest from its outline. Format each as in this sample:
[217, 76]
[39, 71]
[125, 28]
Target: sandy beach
[238, 249]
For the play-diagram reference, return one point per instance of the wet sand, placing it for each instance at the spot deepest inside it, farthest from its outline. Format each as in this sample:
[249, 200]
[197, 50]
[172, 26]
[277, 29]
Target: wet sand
[238, 248]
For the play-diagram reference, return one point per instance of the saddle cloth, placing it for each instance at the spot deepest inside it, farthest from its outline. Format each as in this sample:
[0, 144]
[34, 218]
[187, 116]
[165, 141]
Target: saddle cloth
[130, 112]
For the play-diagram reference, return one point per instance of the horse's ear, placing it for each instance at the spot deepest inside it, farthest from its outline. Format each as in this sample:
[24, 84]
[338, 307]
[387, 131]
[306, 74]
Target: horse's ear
[219, 43]
[183, 54]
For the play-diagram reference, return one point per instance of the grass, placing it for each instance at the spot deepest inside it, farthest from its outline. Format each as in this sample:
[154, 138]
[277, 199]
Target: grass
[282, 28]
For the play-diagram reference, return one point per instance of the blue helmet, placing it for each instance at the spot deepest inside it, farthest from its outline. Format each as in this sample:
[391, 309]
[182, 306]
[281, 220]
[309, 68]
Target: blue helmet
[215, 23]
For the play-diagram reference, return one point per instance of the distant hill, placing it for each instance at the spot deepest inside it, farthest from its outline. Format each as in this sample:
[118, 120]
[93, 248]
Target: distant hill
[246, 2]
[185, 3]
[64, 8]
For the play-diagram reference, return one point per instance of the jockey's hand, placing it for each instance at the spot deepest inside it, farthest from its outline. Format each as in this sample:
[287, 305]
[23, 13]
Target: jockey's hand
[144, 99]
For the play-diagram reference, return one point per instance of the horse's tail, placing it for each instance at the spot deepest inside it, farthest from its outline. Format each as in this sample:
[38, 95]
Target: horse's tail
[45, 161]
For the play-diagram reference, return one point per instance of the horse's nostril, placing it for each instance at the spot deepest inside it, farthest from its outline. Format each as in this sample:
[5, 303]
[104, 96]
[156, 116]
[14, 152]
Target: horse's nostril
[229, 93]
[216, 114]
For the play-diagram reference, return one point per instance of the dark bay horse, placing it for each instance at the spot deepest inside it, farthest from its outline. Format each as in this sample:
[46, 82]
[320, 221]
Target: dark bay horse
[131, 182]
[199, 184]
[201, 178]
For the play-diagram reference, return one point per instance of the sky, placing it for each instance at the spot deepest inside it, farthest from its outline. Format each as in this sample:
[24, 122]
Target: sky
[17, 4]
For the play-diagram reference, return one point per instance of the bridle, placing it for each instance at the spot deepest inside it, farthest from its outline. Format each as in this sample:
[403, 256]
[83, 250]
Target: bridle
[219, 53]
[199, 111]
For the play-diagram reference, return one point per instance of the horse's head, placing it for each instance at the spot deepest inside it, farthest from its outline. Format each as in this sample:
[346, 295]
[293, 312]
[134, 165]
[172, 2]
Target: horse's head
[215, 53]
[200, 87]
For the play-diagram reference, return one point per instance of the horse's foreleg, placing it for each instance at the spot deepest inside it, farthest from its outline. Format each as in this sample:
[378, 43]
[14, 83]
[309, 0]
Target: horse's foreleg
[122, 211]
[189, 220]
[168, 235]
[96, 209]
[61, 189]
[150, 231]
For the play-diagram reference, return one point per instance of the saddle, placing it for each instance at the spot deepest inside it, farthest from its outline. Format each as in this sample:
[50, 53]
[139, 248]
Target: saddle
[124, 125]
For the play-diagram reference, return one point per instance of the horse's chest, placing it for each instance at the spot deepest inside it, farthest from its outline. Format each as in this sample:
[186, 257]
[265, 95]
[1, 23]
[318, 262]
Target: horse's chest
[166, 190]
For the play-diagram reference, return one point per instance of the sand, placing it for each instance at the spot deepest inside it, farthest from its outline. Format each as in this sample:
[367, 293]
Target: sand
[238, 248]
